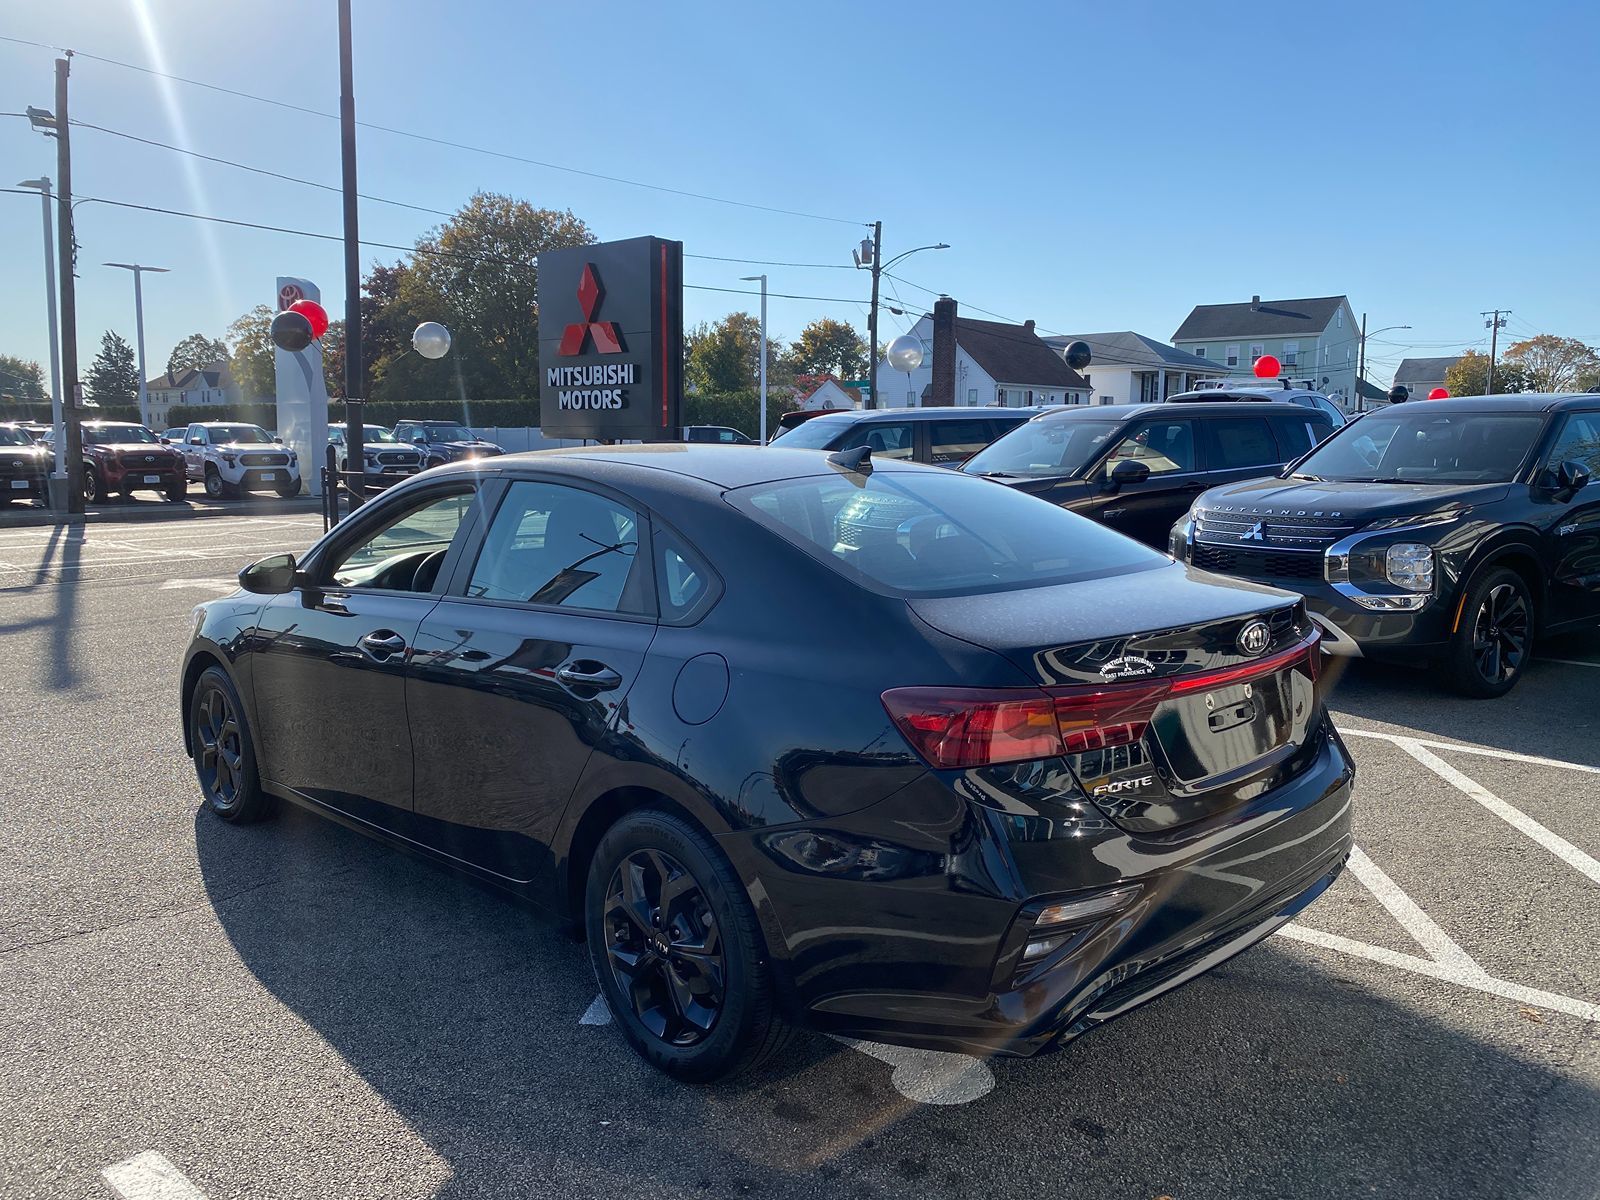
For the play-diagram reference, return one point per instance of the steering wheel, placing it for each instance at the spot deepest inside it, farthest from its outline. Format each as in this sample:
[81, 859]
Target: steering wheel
[427, 572]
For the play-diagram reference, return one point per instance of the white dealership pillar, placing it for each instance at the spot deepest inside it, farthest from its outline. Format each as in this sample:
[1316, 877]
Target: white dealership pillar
[302, 391]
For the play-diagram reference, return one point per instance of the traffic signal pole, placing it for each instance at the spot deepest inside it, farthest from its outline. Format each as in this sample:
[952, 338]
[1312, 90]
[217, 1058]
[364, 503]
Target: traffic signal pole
[355, 419]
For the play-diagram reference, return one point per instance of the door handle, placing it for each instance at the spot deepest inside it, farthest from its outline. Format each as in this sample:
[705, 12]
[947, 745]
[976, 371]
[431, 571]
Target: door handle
[596, 678]
[1109, 513]
[382, 644]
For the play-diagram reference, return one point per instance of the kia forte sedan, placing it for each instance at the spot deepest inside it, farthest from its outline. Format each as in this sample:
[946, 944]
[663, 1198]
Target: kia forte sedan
[976, 779]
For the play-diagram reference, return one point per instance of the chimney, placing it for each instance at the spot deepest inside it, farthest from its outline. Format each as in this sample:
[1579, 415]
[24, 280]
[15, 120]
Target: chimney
[942, 392]
[1255, 303]
[1028, 324]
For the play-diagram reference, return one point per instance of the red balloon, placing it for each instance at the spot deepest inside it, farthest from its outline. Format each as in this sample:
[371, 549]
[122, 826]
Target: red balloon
[1439, 394]
[313, 312]
[1268, 367]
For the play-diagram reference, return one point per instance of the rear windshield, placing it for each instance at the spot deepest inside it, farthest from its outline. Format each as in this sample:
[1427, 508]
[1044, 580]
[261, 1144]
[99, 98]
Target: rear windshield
[1052, 446]
[815, 434]
[938, 533]
[1418, 445]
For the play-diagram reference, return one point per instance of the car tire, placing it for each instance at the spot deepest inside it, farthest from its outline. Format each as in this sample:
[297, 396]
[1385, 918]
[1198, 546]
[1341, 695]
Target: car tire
[224, 753]
[94, 488]
[176, 490]
[659, 966]
[288, 491]
[1494, 636]
[217, 487]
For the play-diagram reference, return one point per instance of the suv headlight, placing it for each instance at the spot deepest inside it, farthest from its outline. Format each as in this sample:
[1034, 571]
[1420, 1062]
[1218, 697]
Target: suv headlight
[1409, 565]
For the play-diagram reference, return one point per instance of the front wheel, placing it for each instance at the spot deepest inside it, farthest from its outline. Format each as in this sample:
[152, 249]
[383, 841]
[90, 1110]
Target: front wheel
[677, 951]
[94, 488]
[224, 753]
[218, 488]
[176, 490]
[288, 491]
[1491, 644]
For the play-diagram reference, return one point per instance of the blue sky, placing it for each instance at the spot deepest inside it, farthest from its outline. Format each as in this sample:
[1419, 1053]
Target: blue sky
[1094, 167]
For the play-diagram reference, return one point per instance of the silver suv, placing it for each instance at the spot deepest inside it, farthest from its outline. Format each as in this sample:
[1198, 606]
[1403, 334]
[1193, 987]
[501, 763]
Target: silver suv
[1280, 395]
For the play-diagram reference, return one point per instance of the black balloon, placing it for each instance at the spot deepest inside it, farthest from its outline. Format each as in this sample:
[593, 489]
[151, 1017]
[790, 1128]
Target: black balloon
[1399, 394]
[291, 331]
[1078, 355]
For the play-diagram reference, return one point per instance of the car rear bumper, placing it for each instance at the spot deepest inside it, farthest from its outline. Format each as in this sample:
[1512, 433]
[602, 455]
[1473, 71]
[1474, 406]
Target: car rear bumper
[926, 949]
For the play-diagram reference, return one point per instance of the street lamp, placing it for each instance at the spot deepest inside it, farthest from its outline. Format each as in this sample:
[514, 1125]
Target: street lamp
[1361, 369]
[138, 320]
[871, 255]
[58, 441]
[762, 279]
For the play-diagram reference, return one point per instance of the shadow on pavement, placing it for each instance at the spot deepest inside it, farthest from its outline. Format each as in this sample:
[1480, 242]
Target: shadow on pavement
[1275, 1076]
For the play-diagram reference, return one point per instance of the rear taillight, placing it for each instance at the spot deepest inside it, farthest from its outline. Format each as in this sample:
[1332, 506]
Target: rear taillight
[970, 727]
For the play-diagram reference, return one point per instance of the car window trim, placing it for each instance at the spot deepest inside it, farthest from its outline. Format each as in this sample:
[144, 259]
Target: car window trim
[499, 488]
[373, 515]
[1132, 429]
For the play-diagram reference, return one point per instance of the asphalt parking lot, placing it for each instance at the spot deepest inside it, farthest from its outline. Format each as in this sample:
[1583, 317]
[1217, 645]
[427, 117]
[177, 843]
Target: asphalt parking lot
[291, 1010]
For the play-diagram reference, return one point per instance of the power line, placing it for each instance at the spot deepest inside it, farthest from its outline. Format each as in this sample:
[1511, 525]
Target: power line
[437, 141]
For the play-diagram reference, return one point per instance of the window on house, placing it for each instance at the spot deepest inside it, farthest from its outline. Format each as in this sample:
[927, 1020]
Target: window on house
[1199, 351]
[972, 397]
[1256, 351]
[1338, 317]
[1233, 356]
[1291, 354]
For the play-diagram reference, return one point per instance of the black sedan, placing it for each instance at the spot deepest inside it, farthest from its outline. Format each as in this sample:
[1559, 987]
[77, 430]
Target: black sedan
[980, 783]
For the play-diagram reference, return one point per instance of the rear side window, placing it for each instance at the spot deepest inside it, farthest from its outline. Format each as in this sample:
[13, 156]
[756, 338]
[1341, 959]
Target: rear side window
[888, 440]
[953, 442]
[938, 533]
[684, 584]
[1242, 442]
[1296, 436]
[562, 546]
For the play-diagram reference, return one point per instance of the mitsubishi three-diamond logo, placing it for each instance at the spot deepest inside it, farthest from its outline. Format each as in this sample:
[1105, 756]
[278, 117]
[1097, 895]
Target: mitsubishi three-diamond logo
[606, 337]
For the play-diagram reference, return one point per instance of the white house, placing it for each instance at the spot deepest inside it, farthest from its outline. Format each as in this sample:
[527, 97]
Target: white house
[191, 386]
[1317, 340]
[819, 392]
[1422, 375]
[1129, 368]
[996, 364]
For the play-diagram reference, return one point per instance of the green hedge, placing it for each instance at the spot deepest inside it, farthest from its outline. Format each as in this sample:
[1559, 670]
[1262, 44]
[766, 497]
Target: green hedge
[40, 413]
[737, 410]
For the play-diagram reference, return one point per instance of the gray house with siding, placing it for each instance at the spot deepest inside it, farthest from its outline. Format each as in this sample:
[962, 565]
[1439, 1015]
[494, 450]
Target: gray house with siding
[1316, 339]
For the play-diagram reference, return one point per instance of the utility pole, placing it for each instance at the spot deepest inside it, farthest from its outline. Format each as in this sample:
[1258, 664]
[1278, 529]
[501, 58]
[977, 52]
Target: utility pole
[1361, 365]
[354, 386]
[1495, 323]
[72, 398]
[872, 315]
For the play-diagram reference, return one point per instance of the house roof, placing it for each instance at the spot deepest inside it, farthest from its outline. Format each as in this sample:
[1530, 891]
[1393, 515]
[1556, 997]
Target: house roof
[1134, 349]
[1424, 370]
[806, 386]
[1016, 354]
[1371, 391]
[217, 374]
[1265, 318]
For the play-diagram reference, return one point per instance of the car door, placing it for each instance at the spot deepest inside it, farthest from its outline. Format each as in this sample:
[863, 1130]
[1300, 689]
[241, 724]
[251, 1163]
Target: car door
[329, 657]
[194, 452]
[1146, 510]
[1573, 529]
[888, 439]
[523, 669]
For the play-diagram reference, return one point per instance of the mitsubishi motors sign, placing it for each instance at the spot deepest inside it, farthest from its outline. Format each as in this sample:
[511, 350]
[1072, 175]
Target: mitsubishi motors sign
[611, 340]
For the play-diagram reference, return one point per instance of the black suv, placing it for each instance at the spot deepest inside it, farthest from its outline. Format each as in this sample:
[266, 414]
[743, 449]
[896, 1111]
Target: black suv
[444, 441]
[1453, 531]
[1137, 467]
[945, 437]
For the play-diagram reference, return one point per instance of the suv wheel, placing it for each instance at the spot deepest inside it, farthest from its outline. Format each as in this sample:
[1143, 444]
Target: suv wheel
[1490, 647]
[94, 488]
[677, 951]
[224, 754]
[217, 487]
[177, 490]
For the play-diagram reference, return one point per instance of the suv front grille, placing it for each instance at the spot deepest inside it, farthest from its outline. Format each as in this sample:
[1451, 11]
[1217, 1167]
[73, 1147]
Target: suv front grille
[397, 457]
[1291, 532]
[1256, 564]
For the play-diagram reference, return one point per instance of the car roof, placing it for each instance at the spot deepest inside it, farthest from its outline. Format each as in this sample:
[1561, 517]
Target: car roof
[721, 466]
[429, 421]
[969, 413]
[1514, 402]
[1265, 393]
[1165, 411]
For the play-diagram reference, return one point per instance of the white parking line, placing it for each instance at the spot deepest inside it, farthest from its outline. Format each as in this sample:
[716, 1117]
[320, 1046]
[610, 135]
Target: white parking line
[149, 1176]
[1570, 662]
[1480, 751]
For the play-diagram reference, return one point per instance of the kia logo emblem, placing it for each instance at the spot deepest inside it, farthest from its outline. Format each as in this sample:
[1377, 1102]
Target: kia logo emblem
[1254, 638]
[605, 335]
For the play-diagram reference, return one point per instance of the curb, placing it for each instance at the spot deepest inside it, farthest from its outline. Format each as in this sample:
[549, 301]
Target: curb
[40, 517]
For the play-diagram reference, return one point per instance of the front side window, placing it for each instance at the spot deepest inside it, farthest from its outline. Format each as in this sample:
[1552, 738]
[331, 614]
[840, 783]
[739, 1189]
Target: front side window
[561, 546]
[1047, 447]
[1242, 442]
[1578, 441]
[1166, 447]
[1410, 444]
[888, 440]
[937, 533]
[406, 553]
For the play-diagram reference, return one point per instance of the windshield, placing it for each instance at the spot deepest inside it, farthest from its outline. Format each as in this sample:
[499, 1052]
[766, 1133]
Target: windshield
[1421, 445]
[815, 434]
[1053, 446]
[116, 435]
[12, 436]
[938, 534]
[377, 433]
[446, 433]
[248, 434]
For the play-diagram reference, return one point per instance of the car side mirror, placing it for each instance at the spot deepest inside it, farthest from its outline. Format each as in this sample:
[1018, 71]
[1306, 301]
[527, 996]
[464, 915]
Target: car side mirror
[1128, 470]
[1571, 477]
[197, 441]
[419, 440]
[277, 439]
[270, 576]
[165, 441]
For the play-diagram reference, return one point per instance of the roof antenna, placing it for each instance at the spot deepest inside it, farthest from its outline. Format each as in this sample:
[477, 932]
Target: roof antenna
[858, 459]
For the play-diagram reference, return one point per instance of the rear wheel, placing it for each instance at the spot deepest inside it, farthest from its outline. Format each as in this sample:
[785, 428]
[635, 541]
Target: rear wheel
[1491, 644]
[677, 952]
[224, 754]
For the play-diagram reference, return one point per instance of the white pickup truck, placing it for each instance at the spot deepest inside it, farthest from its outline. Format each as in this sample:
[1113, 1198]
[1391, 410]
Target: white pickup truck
[231, 458]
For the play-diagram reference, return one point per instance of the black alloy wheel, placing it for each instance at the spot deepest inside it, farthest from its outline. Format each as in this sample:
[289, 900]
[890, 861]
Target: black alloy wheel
[664, 947]
[224, 756]
[1495, 636]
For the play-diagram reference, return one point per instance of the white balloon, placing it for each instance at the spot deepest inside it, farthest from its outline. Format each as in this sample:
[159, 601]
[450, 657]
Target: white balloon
[905, 353]
[431, 340]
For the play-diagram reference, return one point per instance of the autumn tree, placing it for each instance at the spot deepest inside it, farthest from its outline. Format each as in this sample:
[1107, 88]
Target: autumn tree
[829, 346]
[196, 351]
[1553, 364]
[251, 354]
[725, 355]
[113, 376]
[1469, 377]
[21, 379]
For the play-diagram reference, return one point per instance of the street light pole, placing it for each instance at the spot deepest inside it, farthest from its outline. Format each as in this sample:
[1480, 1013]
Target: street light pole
[878, 268]
[1361, 358]
[355, 427]
[138, 321]
[42, 185]
[763, 281]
